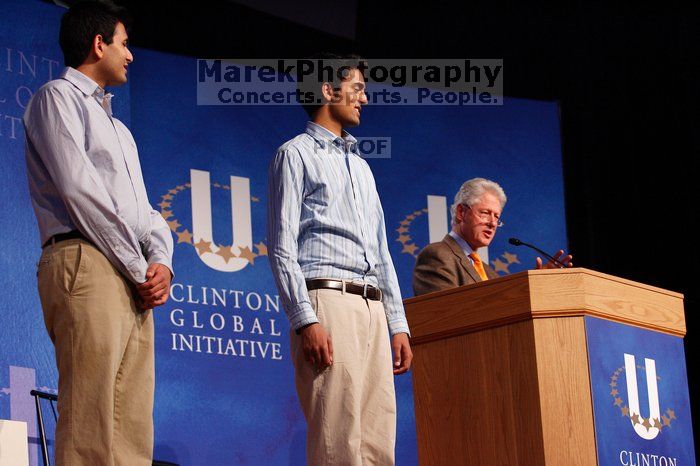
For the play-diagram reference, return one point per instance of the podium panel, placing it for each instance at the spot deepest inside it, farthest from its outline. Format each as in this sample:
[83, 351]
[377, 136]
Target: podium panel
[640, 396]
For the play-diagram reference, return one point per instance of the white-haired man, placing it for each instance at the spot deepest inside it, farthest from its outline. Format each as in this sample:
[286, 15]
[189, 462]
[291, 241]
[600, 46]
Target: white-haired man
[454, 261]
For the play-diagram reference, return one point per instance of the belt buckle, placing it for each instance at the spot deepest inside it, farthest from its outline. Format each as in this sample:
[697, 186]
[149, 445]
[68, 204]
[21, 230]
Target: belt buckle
[364, 290]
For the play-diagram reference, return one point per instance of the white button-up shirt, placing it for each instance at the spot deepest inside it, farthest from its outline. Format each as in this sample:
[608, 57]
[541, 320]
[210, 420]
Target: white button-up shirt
[84, 174]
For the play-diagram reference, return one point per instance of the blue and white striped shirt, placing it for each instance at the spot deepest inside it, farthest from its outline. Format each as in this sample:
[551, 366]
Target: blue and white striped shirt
[325, 220]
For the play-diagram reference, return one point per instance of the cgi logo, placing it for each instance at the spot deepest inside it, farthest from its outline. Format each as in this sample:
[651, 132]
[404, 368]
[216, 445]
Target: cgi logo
[202, 231]
[649, 427]
[219, 256]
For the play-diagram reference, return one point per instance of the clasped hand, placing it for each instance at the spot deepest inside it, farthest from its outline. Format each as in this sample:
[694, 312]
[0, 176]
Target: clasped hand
[155, 290]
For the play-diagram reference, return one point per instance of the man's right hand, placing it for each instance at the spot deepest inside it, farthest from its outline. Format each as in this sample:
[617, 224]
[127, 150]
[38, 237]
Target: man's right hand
[317, 346]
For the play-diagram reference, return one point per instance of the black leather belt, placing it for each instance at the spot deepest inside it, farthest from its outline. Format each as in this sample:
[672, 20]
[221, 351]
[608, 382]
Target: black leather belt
[366, 291]
[75, 234]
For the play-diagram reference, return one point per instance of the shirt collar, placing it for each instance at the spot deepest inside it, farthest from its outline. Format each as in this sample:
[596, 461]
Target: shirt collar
[325, 137]
[462, 243]
[88, 87]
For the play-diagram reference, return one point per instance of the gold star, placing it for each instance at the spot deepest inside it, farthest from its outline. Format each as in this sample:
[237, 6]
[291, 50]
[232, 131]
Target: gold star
[613, 384]
[657, 423]
[227, 187]
[188, 185]
[499, 265]
[614, 392]
[164, 204]
[417, 213]
[646, 423]
[174, 224]
[172, 191]
[667, 421]
[618, 401]
[410, 217]
[180, 187]
[510, 258]
[203, 246]
[167, 197]
[262, 249]
[184, 237]
[625, 411]
[409, 248]
[425, 210]
[402, 230]
[634, 418]
[225, 252]
[247, 254]
[166, 214]
[404, 222]
[671, 413]
[254, 199]
[403, 239]
[614, 377]
[217, 185]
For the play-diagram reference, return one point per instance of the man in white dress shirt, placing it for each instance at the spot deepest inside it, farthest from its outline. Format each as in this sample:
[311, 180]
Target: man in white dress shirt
[107, 254]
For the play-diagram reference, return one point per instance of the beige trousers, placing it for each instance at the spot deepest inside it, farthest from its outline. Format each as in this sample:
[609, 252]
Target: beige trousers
[104, 354]
[350, 407]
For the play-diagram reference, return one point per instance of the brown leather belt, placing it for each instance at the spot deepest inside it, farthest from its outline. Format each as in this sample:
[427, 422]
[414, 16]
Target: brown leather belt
[366, 291]
[75, 234]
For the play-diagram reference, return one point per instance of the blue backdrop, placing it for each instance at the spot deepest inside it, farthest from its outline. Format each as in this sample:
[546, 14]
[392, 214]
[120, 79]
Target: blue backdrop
[224, 391]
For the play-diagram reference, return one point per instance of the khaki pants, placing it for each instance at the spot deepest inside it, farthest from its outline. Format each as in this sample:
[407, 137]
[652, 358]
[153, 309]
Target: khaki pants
[350, 407]
[104, 354]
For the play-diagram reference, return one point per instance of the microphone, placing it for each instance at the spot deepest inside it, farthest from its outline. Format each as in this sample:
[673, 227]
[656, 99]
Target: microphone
[517, 242]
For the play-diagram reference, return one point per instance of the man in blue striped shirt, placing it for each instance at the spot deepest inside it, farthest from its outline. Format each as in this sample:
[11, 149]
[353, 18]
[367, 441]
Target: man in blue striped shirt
[331, 263]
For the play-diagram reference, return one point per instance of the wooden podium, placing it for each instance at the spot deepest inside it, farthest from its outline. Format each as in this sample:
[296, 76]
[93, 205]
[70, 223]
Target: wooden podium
[501, 374]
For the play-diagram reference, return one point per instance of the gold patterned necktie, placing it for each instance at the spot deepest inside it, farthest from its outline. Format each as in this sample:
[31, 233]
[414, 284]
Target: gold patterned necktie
[478, 265]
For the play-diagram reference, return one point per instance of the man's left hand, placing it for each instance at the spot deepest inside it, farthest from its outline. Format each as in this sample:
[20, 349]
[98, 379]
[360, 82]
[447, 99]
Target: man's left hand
[155, 290]
[402, 353]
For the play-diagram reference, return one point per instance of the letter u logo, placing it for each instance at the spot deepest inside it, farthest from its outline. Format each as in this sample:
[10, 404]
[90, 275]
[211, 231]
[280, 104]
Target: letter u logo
[652, 431]
[202, 222]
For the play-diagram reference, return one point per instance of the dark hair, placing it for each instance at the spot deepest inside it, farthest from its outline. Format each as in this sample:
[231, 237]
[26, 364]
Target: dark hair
[327, 68]
[85, 20]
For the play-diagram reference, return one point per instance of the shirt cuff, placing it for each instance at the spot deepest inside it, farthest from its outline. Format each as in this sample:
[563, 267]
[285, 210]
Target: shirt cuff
[302, 315]
[160, 259]
[397, 326]
[138, 270]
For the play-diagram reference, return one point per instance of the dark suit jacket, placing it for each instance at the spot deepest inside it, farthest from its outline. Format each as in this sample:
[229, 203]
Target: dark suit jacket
[443, 265]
